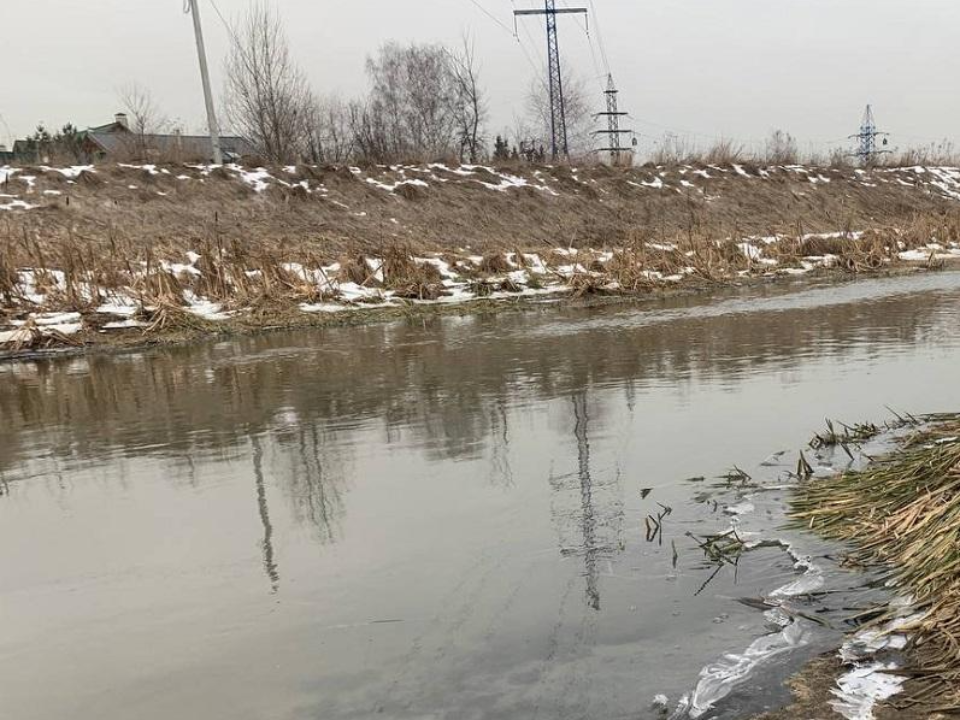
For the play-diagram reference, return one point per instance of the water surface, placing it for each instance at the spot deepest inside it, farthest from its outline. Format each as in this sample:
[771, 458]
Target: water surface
[435, 518]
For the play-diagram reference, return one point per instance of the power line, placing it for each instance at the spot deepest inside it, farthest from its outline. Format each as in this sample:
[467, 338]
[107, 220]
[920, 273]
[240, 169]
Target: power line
[750, 142]
[227, 25]
[614, 132]
[599, 75]
[493, 17]
[516, 32]
[512, 33]
[603, 50]
[538, 70]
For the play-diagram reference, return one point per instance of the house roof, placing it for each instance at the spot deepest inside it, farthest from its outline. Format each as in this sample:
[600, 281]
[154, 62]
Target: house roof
[183, 145]
[109, 127]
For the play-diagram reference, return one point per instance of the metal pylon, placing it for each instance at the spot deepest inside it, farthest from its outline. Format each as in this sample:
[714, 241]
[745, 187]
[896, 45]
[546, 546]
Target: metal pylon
[558, 111]
[867, 138]
[613, 131]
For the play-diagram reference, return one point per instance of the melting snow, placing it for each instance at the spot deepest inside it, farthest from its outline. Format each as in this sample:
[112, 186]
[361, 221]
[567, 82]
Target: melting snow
[860, 689]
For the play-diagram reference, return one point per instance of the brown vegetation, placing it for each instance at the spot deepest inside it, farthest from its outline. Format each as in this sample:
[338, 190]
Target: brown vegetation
[904, 512]
[267, 241]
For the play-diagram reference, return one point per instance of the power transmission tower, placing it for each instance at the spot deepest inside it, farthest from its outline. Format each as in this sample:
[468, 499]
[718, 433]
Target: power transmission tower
[194, 10]
[613, 131]
[558, 111]
[867, 138]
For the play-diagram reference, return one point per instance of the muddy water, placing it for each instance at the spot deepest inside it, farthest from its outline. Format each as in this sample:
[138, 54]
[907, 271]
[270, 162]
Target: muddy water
[432, 519]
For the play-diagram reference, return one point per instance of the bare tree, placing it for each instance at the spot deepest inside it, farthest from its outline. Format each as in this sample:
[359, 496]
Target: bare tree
[470, 109]
[528, 138]
[330, 135]
[367, 133]
[144, 118]
[268, 98]
[579, 113]
[781, 149]
[413, 100]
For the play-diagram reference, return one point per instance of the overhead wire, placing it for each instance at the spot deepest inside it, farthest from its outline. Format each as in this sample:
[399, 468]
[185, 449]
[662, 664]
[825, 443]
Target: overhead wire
[539, 70]
[600, 76]
[677, 132]
[493, 17]
[602, 68]
[525, 28]
[226, 23]
[603, 49]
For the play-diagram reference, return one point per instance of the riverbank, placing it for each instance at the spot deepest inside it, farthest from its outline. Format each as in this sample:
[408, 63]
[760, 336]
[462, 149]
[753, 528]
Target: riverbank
[901, 512]
[121, 256]
[70, 333]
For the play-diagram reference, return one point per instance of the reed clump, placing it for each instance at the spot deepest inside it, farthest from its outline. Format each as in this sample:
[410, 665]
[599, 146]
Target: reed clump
[904, 512]
[410, 279]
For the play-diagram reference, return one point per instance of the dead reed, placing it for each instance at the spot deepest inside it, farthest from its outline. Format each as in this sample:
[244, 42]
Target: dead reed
[904, 512]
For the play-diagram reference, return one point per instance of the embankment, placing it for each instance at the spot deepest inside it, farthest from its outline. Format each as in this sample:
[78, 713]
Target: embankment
[91, 254]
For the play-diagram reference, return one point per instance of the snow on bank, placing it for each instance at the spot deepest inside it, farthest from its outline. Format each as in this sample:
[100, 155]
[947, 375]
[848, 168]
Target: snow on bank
[870, 656]
[862, 688]
[871, 676]
[548, 180]
[456, 278]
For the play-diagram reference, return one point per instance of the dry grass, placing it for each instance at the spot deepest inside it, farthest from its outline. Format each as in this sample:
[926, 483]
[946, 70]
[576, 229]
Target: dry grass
[81, 274]
[725, 152]
[942, 153]
[409, 279]
[904, 512]
[262, 255]
[595, 206]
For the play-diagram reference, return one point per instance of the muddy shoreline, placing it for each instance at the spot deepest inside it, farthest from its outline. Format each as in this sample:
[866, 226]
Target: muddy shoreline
[290, 318]
[812, 691]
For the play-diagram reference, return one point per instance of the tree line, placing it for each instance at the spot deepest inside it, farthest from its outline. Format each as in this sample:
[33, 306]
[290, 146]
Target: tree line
[425, 102]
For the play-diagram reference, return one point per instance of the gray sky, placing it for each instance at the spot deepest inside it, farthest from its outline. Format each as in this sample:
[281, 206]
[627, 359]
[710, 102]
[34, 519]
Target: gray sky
[701, 68]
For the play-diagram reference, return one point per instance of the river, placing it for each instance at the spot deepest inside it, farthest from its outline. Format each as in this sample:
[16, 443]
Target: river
[431, 518]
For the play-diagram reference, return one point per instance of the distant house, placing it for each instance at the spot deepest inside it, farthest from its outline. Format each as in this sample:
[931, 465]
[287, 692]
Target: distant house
[23, 151]
[116, 141]
[6, 156]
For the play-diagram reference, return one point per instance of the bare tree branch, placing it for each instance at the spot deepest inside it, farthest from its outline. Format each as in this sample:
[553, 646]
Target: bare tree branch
[268, 98]
[425, 104]
[470, 109]
[579, 116]
[144, 118]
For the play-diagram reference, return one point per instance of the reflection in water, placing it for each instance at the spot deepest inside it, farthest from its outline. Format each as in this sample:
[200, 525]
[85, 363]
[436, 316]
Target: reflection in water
[589, 514]
[269, 564]
[501, 470]
[446, 393]
[316, 493]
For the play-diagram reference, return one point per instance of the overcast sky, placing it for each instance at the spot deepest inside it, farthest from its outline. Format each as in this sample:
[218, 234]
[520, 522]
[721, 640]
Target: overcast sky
[699, 68]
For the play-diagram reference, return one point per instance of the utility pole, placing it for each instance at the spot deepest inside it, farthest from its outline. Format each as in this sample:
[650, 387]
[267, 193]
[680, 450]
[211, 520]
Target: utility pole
[867, 138]
[207, 93]
[613, 131]
[558, 111]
